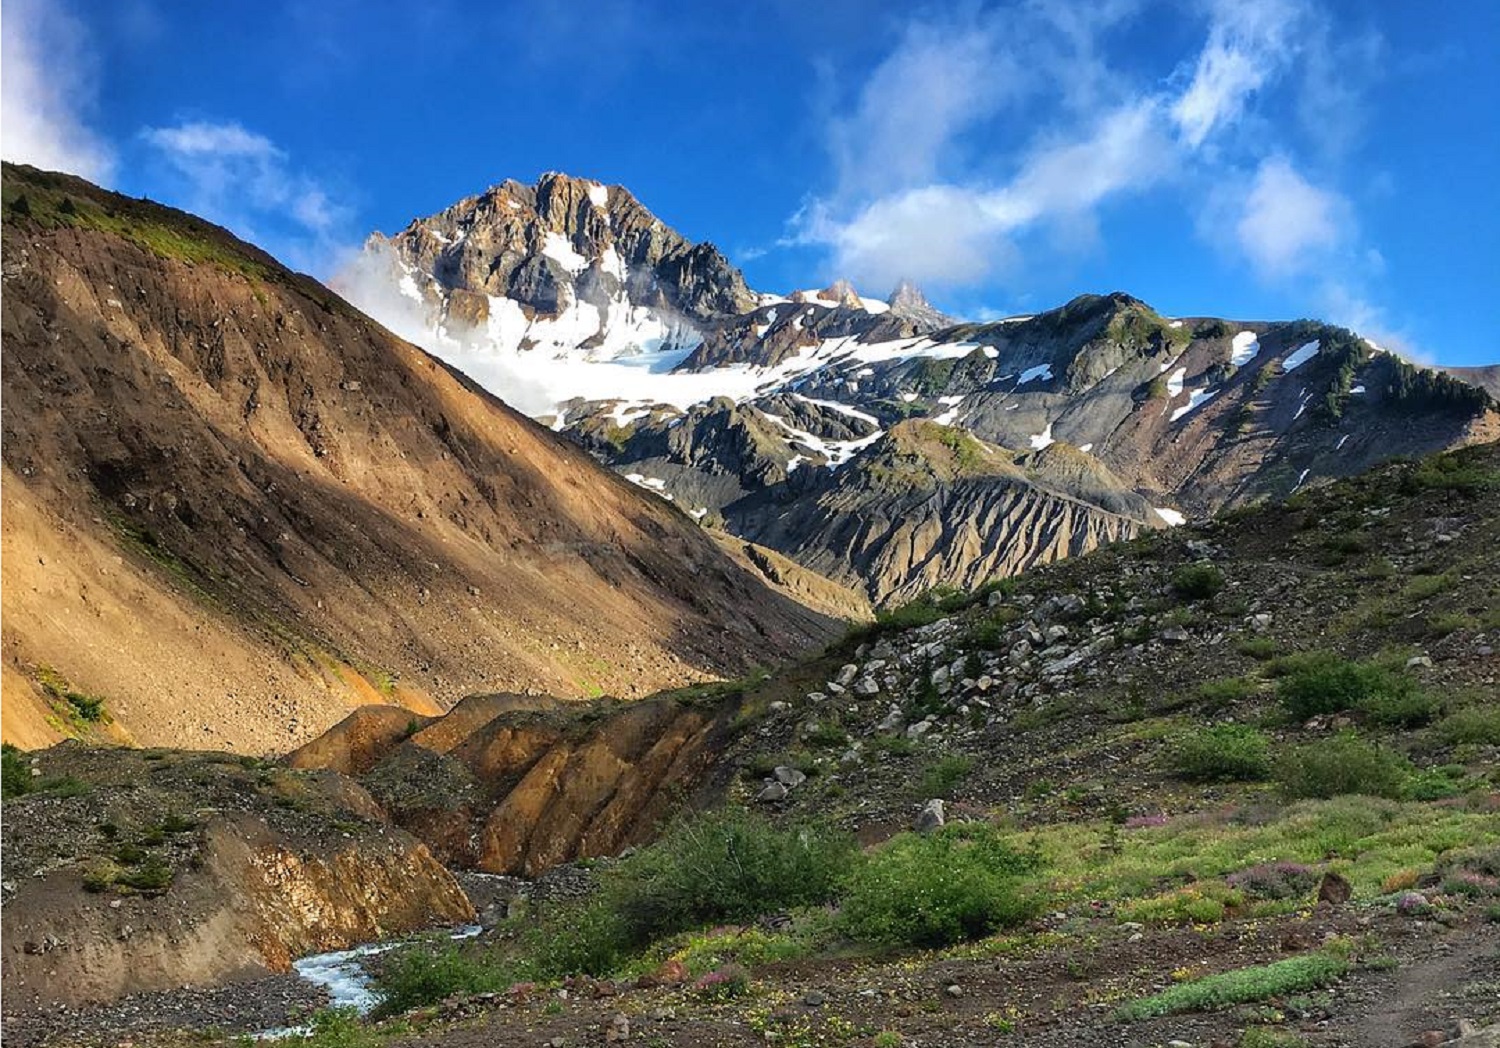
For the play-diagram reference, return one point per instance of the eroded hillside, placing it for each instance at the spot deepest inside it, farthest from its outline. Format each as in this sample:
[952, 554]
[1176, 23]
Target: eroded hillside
[235, 508]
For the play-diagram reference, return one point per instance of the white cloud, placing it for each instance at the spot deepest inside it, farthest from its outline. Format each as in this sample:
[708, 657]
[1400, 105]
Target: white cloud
[1287, 224]
[46, 85]
[908, 201]
[933, 182]
[1249, 42]
[954, 235]
[939, 81]
[244, 181]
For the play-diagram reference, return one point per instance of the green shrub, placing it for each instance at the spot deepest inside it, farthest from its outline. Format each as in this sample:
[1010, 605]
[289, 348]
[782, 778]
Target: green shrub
[427, 973]
[1340, 765]
[15, 776]
[1430, 786]
[826, 734]
[941, 777]
[1266, 1037]
[1205, 902]
[175, 823]
[151, 877]
[1422, 587]
[1473, 725]
[1219, 695]
[1324, 683]
[1404, 705]
[1294, 975]
[1223, 753]
[961, 882]
[334, 1028]
[130, 855]
[1256, 647]
[1197, 581]
[724, 865]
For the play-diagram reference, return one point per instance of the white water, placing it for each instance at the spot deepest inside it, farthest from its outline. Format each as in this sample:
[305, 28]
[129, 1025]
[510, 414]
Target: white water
[345, 979]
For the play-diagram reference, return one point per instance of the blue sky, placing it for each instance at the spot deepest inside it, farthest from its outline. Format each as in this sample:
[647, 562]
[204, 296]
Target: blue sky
[1244, 158]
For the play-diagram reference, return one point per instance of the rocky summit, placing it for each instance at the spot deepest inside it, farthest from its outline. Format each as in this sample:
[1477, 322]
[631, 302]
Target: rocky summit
[764, 414]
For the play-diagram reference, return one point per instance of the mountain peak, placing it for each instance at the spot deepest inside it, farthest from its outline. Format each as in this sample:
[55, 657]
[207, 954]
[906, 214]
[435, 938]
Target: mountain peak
[909, 303]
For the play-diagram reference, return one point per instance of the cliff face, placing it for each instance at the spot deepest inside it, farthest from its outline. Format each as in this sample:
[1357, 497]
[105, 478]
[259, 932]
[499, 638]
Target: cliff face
[503, 788]
[235, 507]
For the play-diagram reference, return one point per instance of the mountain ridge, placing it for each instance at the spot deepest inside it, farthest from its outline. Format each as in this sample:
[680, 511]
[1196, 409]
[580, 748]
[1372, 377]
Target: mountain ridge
[235, 506]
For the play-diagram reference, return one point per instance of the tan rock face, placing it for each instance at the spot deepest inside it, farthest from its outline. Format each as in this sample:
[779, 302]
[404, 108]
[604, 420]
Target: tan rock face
[528, 789]
[235, 508]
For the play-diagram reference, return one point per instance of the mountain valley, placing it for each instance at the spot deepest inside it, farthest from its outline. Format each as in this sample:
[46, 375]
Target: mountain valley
[807, 669]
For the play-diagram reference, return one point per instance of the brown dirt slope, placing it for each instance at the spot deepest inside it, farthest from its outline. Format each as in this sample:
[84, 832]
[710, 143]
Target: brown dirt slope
[235, 508]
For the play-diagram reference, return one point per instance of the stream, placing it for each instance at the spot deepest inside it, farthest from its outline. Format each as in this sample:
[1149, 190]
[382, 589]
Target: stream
[343, 975]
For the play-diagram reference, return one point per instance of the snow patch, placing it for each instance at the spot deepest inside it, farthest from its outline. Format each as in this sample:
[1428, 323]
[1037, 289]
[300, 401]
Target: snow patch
[1243, 349]
[1173, 518]
[560, 250]
[1174, 384]
[1196, 398]
[1357, 390]
[1043, 439]
[1300, 357]
[1085, 448]
[1041, 371]
[599, 195]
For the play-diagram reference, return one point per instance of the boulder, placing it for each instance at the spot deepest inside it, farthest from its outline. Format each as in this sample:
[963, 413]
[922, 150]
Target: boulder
[931, 817]
[789, 777]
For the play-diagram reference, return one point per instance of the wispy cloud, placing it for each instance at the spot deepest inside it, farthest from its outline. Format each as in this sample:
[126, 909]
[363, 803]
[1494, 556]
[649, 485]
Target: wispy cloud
[1286, 224]
[954, 234]
[931, 180]
[242, 180]
[1248, 44]
[47, 87]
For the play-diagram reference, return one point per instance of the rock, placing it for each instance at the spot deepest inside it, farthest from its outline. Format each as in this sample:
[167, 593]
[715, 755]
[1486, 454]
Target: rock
[780, 707]
[846, 674]
[893, 720]
[1055, 634]
[789, 777]
[953, 990]
[814, 998]
[866, 687]
[1334, 889]
[814, 696]
[835, 688]
[1470, 1035]
[939, 676]
[1419, 661]
[774, 791]
[931, 816]
[619, 1029]
[1260, 623]
[1175, 635]
[917, 730]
